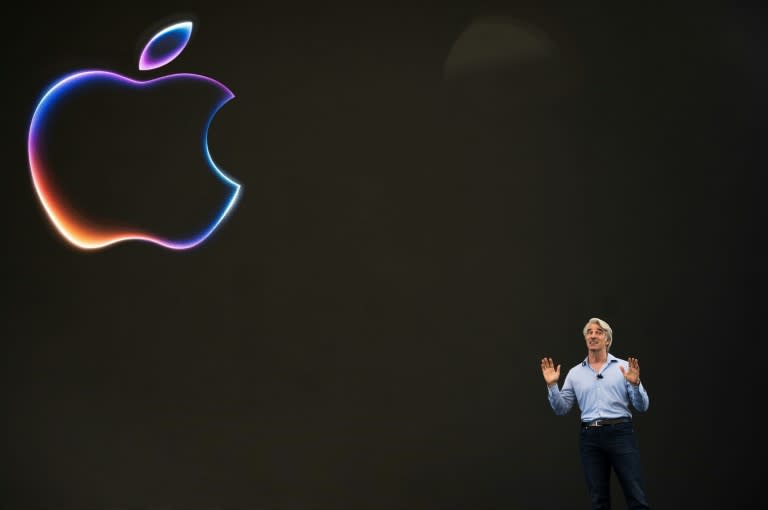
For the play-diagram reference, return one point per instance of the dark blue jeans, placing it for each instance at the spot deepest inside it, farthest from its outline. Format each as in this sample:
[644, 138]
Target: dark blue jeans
[612, 446]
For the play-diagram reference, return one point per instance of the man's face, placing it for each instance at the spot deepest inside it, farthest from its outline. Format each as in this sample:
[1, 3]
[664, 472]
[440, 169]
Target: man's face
[596, 338]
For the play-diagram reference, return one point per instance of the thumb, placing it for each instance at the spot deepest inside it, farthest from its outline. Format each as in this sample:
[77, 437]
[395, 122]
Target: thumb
[558, 370]
[622, 370]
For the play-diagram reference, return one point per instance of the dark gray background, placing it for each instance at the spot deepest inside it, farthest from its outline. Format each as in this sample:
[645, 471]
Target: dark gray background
[365, 331]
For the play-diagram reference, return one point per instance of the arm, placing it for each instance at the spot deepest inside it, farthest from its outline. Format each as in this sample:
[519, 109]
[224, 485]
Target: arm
[561, 401]
[635, 391]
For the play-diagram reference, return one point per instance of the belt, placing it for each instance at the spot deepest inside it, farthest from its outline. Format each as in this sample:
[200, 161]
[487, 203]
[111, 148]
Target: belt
[604, 421]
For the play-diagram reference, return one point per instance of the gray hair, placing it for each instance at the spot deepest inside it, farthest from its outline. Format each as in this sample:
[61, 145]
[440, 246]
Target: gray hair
[602, 324]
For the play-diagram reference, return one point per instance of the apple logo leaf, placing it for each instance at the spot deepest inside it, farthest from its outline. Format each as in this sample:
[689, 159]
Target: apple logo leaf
[165, 46]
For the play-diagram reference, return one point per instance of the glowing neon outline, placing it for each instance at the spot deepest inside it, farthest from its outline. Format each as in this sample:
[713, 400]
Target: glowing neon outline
[81, 232]
[145, 60]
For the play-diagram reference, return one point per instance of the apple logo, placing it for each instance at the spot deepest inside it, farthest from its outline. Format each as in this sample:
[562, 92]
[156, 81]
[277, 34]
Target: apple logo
[74, 222]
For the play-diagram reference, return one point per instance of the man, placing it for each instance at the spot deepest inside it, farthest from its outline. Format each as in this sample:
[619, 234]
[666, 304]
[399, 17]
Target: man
[604, 387]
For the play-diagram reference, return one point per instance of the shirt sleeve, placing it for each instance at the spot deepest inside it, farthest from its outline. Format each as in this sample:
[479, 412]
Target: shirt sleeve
[638, 397]
[561, 400]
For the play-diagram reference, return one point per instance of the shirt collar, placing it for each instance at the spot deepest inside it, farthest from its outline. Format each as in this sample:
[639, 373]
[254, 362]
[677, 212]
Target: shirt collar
[611, 359]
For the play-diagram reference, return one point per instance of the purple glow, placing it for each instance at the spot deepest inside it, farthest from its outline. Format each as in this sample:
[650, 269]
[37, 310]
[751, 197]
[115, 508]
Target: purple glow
[84, 232]
[165, 46]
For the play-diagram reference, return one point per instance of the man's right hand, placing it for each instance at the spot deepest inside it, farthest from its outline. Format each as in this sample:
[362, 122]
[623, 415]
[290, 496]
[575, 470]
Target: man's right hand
[548, 370]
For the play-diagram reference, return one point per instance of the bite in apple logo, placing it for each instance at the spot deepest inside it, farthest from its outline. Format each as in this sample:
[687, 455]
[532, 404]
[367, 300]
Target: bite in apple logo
[72, 221]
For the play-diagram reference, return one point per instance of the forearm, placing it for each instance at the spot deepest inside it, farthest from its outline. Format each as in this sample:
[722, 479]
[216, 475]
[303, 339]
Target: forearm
[639, 397]
[560, 402]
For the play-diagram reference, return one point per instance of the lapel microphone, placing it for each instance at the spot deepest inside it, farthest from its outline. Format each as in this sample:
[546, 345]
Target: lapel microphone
[599, 376]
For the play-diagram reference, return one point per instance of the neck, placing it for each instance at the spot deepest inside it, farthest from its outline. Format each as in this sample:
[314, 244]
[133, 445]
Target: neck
[600, 356]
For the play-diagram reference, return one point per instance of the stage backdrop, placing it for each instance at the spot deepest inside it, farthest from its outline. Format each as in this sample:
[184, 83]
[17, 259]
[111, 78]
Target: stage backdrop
[431, 199]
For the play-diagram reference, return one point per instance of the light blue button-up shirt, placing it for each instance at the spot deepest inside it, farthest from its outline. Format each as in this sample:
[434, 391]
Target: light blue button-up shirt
[606, 396]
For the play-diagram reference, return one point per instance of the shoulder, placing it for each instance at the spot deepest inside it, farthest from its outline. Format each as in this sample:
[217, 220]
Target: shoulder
[614, 359]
